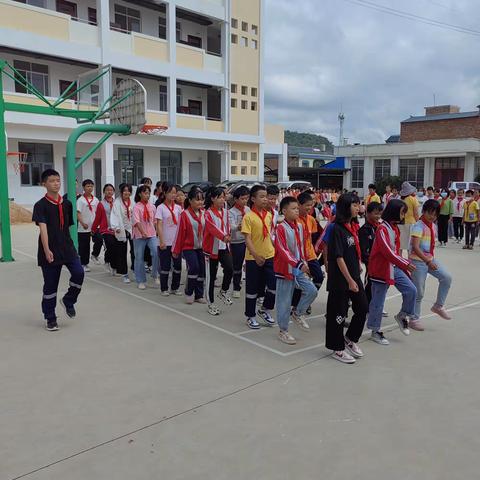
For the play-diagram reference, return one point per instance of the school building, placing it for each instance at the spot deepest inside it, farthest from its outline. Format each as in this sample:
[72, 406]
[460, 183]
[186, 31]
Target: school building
[200, 61]
[434, 149]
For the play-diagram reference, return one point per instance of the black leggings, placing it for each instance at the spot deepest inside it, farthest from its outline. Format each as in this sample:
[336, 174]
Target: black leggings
[470, 233]
[122, 254]
[458, 228]
[211, 268]
[443, 228]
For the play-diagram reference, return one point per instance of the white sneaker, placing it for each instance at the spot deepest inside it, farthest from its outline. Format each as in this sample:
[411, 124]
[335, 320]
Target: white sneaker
[165, 293]
[286, 337]
[225, 297]
[157, 281]
[378, 337]
[236, 294]
[95, 260]
[354, 350]
[402, 324]
[176, 292]
[267, 319]
[86, 268]
[212, 309]
[300, 321]
[142, 286]
[126, 279]
[384, 314]
[343, 357]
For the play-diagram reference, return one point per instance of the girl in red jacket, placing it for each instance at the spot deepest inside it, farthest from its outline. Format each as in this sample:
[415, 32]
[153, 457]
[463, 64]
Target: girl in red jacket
[387, 267]
[188, 242]
[216, 239]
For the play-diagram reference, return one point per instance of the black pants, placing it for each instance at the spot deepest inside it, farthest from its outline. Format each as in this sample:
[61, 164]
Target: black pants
[458, 228]
[84, 246]
[337, 310]
[256, 275]
[51, 278]
[166, 261]
[211, 269]
[112, 250]
[317, 279]
[122, 254]
[470, 233]
[195, 272]
[238, 257]
[443, 228]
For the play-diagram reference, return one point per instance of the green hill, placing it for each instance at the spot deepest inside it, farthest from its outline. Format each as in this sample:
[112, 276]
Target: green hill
[298, 139]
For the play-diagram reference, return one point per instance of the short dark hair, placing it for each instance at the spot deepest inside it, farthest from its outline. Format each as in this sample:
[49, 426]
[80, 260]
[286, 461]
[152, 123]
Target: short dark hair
[393, 209]
[124, 186]
[87, 181]
[241, 191]
[343, 211]
[372, 186]
[257, 188]
[195, 193]
[305, 197]
[145, 180]
[49, 172]
[286, 201]
[372, 206]
[431, 206]
[469, 192]
[273, 190]
[106, 186]
[430, 188]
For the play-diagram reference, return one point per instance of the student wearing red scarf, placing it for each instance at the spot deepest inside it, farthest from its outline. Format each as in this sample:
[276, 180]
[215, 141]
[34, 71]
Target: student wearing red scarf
[344, 283]
[422, 254]
[54, 217]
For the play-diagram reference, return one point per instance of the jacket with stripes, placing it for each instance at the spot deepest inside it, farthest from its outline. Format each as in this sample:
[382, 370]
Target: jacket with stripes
[213, 234]
[188, 236]
[288, 253]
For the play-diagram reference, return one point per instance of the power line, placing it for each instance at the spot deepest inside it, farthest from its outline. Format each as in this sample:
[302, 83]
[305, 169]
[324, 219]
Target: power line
[414, 17]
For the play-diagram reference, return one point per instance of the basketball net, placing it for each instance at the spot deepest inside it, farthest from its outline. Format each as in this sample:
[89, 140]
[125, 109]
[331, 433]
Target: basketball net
[153, 129]
[21, 164]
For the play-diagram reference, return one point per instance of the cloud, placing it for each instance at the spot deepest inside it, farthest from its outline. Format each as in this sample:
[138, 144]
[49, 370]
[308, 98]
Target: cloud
[324, 54]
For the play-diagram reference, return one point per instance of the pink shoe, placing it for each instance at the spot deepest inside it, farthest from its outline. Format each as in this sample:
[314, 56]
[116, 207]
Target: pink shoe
[189, 299]
[416, 325]
[441, 312]
[200, 300]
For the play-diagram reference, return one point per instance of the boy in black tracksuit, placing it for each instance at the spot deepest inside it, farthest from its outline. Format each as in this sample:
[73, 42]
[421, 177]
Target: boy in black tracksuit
[366, 236]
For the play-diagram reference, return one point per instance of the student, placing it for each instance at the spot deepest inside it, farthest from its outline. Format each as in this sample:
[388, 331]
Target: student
[422, 254]
[188, 243]
[257, 226]
[54, 217]
[121, 224]
[394, 195]
[387, 267]
[407, 194]
[309, 226]
[444, 218]
[86, 210]
[237, 243]
[291, 269]
[344, 283]
[144, 235]
[216, 240]
[387, 195]
[457, 217]
[180, 198]
[372, 195]
[470, 219]
[273, 193]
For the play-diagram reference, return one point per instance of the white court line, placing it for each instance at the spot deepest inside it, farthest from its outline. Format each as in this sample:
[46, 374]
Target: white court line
[173, 310]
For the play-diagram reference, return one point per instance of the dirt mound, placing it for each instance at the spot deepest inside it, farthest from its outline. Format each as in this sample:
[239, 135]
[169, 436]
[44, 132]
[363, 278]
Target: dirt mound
[19, 214]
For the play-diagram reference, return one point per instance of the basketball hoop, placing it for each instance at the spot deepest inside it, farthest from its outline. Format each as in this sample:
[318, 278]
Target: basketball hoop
[21, 164]
[153, 129]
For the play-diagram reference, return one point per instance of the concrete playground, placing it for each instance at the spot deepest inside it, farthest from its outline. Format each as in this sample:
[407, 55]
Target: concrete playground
[143, 387]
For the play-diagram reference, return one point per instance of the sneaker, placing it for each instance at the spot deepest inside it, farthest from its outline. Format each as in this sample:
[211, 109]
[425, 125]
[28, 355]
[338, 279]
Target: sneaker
[142, 286]
[441, 312]
[176, 292]
[236, 294]
[286, 337]
[379, 338]
[309, 311]
[470, 247]
[157, 281]
[403, 324]
[51, 326]
[165, 293]
[86, 268]
[260, 302]
[212, 309]
[416, 325]
[343, 357]
[252, 323]
[126, 279]
[300, 322]
[267, 319]
[353, 349]
[201, 300]
[384, 314]
[113, 272]
[465, 247]
[95, 260]
[225, 297]
[70, 311]
[189, 299]
[148, 269]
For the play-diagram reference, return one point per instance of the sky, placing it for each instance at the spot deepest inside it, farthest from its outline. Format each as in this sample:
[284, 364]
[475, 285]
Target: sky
[323, 55]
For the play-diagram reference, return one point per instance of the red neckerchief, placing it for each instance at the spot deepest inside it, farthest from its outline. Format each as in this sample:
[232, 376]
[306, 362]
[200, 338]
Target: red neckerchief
[396, 230]
[369, 198]
[301, 247]
[146, 213]
[387, 197]
[375, 225]
[219, 215]
[172, 212]
[432, 234]
[262, 217]
[127, 206]
[442, 203]
[352, 228]
[460, 200]
[89, 202]
[58, 203]
[110, 202]
[198, 219]
[241, 209]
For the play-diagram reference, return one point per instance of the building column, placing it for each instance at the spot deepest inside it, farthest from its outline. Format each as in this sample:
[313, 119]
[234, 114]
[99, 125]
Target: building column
[283, 164]
[108, 173]
[367, 173]
[395, 166]
[429, 172]
[261, 162]
[172, 31]
[225, 164]
[172, 102]
[103, 20]
[225, 32]
[347, 175]
[469, 172]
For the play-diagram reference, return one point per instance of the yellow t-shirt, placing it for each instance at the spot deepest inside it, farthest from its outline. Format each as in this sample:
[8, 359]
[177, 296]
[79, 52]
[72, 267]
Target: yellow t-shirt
[253, 226]
[470, 212]
[373, 198]
[412, 207]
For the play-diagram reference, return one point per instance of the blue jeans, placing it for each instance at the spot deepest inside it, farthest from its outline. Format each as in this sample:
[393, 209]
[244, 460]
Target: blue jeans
[419, 277]
[379, 291]
[284, 296]
[139, 245]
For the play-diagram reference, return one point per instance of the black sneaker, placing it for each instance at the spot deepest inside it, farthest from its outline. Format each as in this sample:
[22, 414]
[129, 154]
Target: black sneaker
[51, 326]
[309, 311]
[70, 311]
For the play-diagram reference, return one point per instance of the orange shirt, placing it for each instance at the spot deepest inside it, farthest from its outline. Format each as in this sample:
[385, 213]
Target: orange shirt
[309, 226]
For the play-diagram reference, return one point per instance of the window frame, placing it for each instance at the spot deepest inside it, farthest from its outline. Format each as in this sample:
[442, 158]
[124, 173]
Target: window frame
[412, 170]
[29, 76]
[357, 166]
[129, 162]
[382, 168]
[35, 167]
[127, 15]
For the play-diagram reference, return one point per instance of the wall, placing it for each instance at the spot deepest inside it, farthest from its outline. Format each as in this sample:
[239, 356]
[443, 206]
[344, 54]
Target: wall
[249, 148]
[440, 129]
[82, 7]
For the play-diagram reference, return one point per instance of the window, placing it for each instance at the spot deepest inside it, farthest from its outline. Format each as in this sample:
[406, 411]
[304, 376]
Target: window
[234, 38]
[254, 30]
[253, 106]
[163, 107]
[127, 19]
[92, 16]
[171, 166]
[63, 85]
[305, 163]
[357, 172]
[253, 156]
[244, 156]
[194, 41]
[449, 163]
[243, 170]
[245, 26]
[233, 170]
[244, 42]
[39, 158]
[234, 23]
[35, 73]
[381, 169]
[253, 170]
[234, 88]
[35, 3]
[195, 107]
[244, 105]
[162, 27]
[244, 90]
[234, 156]
[254, 44]
[68, 8]
[233, 103]
[254, 91]
[130, 162]
[412, 170]
[179, 98]
[178, 31]
[477, 166]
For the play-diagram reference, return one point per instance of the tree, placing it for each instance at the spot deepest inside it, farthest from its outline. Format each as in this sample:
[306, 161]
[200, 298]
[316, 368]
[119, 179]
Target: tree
[298, 139]
[388, 180]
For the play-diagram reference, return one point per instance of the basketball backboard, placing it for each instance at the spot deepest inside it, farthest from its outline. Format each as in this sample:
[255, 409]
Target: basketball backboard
[95, 87]
[132, 110]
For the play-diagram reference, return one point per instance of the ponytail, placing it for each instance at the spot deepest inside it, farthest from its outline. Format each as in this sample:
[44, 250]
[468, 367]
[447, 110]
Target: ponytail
[212, 192]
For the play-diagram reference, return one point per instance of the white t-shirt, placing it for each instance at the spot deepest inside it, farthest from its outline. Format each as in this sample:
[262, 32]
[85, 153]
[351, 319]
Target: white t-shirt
[168, 225]
[88, 216]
